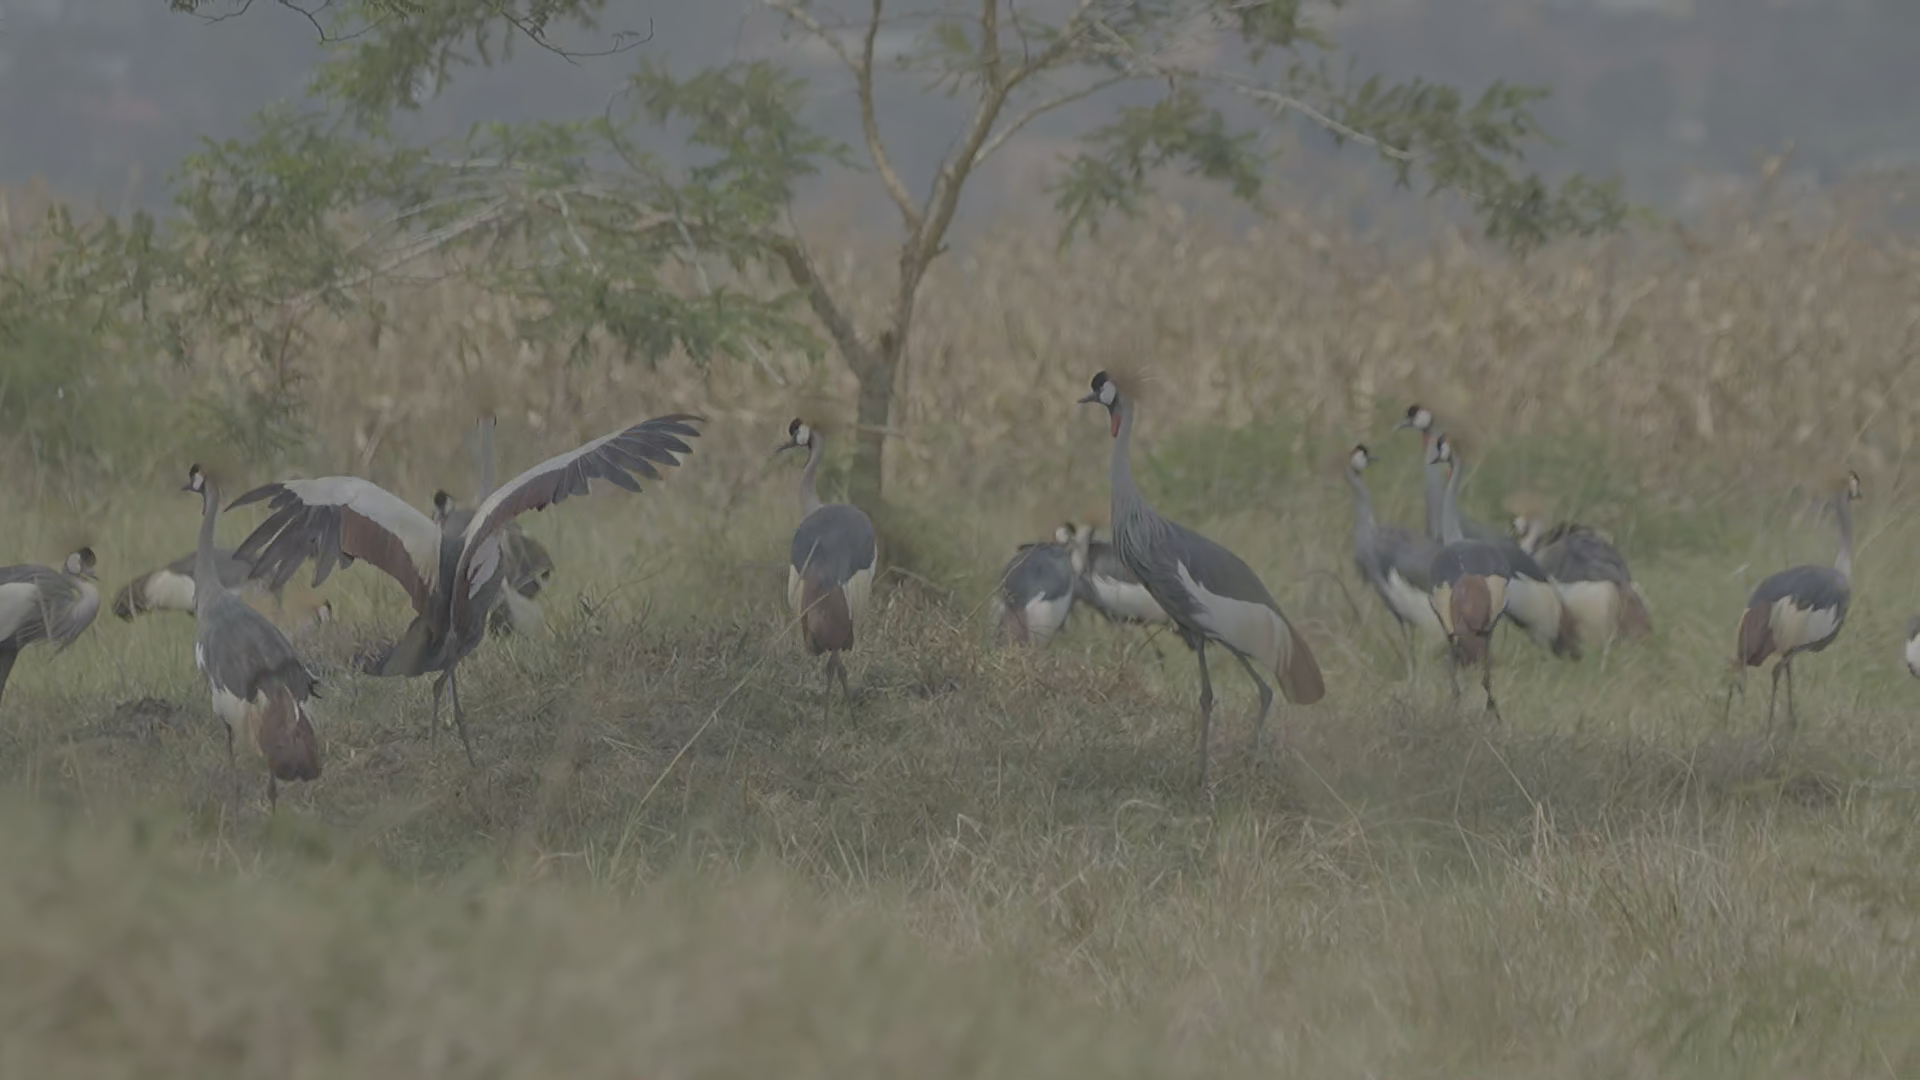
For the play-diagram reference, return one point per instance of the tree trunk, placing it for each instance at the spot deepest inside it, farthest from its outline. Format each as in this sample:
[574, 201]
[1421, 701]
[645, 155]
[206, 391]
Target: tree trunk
[875, 418]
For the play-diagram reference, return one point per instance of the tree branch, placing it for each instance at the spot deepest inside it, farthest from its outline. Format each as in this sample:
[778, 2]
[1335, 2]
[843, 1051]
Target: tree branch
[862, 68]
[806, 278]
[999, 138]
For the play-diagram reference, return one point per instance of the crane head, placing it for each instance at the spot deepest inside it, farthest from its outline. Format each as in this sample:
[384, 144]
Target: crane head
[81, 564]
[1853, 485]
[1419, 418]
[1106, 392]
[442, 506]
[1361, 458]
[196, 480]
[800, 435]
[1064, 534]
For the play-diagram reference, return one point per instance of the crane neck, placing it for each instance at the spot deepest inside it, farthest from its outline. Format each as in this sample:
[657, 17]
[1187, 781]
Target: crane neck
[809, 476]
[1450, 532]
[206, 572]
[1435, 478]
[1126, 494]
[1363, 520]
[1843, 510]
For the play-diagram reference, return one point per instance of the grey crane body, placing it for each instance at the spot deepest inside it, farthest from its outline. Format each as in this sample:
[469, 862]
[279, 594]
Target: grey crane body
[1800, 609]
[1395, 562]
[1595, 582]
[1471, 580]
[1211, 596]
[170, 588]
[259, 686]
[526, 563]
[39, 604]
[1535, 601]
[1103, 583]
[830, 563]
[452, 579]
[1037, 590]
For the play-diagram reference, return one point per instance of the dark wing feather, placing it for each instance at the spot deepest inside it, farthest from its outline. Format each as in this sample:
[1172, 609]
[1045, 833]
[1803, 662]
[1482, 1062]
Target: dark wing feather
[638, 449]
[334, 520]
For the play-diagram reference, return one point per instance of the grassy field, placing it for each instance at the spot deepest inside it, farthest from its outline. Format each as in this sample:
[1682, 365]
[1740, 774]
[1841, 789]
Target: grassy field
[670, 864]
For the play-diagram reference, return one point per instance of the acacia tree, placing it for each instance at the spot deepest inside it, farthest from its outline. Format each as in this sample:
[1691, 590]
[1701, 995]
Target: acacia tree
[602, 234]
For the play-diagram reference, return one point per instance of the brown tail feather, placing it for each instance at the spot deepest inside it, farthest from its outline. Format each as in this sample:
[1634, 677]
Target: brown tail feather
[825, 622]
[1756, 636]
[1635, 618]
[1472, 604]
[1299, 674]
[286, 738]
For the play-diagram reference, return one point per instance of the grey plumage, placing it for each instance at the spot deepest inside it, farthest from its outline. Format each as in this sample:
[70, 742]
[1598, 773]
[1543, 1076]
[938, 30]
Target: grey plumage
[1535, 604]
[1104, 583]
[1472, 581]
[525, 567]
[830, 563]
[38, 604]
[1036, 592]
[1395, 562]
[259, 686]
[1800, 609]
[1208, 592]
[452, 579]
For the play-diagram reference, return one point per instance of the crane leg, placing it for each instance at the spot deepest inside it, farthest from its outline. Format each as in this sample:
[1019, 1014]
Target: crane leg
[1792, 715]
[1206, 710]
[1266, 703]
[1774, 698]
[433, 723]
[1406, 630]
[273, 795]
[460, 715]
[233, 773]
[1486, 683]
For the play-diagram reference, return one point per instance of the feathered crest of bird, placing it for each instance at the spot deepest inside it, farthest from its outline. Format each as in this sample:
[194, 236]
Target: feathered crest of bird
[1136, 379]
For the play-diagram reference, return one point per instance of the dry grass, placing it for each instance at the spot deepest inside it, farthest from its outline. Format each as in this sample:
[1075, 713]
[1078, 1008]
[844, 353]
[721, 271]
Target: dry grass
[668, 863]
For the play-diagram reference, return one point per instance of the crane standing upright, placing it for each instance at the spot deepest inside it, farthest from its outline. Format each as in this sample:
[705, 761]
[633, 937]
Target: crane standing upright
[1209, 593]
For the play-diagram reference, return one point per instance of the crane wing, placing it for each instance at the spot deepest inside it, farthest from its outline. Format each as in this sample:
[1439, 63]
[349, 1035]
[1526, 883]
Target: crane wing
[335, 520]
[613, 458]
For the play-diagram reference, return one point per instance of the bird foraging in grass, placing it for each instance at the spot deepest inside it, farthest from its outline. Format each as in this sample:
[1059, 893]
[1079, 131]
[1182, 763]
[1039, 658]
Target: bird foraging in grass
[38, 604]
[830, 562]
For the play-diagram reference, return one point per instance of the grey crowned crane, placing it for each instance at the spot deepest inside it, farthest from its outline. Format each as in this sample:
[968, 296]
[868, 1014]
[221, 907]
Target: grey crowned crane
[38, 604]
[1209, 593]
[1535, 603]
[1396, 562]
[1472, 580]
[1800, 609]
[527, 564]
[1036, 590]
[829, 564]
[259, 685]
[1107, 586]
[1595, 583]
[452, 578]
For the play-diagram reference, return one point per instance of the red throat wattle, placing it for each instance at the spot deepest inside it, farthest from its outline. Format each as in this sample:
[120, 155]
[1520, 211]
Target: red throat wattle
[1115, 419]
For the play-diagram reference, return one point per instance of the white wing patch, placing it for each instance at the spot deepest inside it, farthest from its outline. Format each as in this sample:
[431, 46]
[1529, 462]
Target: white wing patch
[857, 588]
[19, 600]
[1126, 599]
[526, 615]
[168, 591]
[1795, 627]
[1537, 605]
[1044, 617]
[1412, 604]
[1595, 606]
[1254, 629]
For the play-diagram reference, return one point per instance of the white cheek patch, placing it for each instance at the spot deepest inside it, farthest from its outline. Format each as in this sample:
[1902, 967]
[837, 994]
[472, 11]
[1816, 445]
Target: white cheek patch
[801, 435]
[1107, 393]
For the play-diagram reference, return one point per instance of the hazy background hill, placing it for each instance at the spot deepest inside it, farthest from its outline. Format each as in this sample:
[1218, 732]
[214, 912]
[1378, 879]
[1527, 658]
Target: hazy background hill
[1682, 97]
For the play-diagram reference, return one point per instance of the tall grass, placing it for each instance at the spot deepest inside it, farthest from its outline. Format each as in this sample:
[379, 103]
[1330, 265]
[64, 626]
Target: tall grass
[670, 863]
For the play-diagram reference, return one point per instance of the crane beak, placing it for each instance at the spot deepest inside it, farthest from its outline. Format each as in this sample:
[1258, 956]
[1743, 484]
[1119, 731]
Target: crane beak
[1090, 399]
[1404, 423]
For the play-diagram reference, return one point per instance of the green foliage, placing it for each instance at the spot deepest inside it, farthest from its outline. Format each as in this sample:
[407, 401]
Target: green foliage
[1180, 131]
